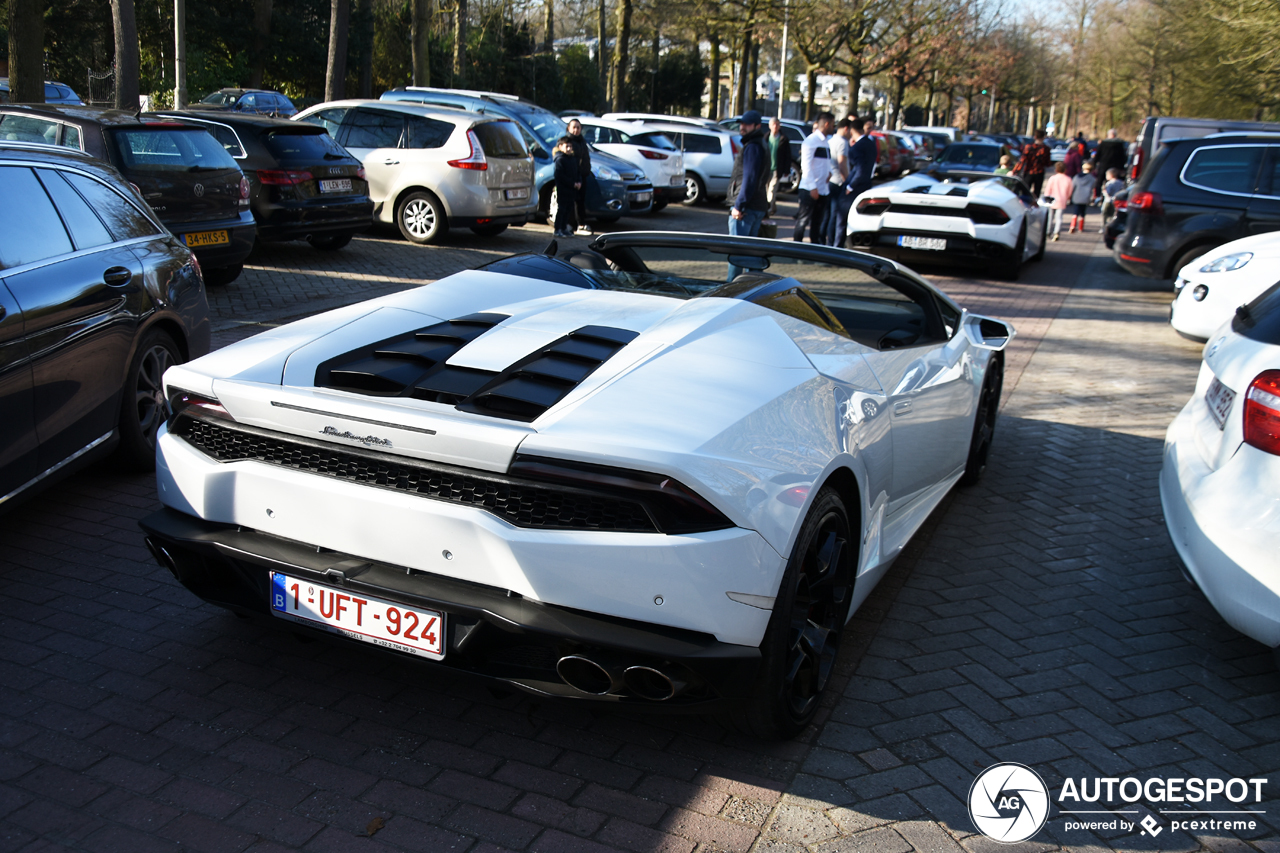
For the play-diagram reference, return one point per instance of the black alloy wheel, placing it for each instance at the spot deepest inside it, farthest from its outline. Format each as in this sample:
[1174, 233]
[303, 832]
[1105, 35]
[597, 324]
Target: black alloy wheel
[143, 407]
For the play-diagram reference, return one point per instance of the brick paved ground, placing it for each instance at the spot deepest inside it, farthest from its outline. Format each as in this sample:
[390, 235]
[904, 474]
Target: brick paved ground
[1039, 618]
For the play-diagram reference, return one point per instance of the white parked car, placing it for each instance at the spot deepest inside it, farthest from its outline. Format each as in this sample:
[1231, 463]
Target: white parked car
[651, 150]
[971, 218]
[433, 169]
[1210, 288]
[708, 151]
[605, 475]
[1220, 482]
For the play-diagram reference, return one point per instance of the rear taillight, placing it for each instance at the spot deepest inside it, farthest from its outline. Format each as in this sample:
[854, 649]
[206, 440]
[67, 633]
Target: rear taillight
[984, 214]
[476, 159]
[244, 187]
[1138, 157]
[873, 206]
[1262, 412]
[277, 177]
[734, 146]
[653, 155]
[186, 403]
[1145, 202]
[360, 174]
[1122, 204]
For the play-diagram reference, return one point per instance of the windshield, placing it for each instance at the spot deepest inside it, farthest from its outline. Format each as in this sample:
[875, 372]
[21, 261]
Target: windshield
[548, 126]
[291, 145]
[971, 155]
[219, 99]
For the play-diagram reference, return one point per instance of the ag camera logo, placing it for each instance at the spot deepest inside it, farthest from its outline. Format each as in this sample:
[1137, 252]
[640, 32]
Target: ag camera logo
[1008, 802]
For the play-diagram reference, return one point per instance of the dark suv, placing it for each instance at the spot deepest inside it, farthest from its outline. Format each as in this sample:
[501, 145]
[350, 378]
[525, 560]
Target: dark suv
[303, 185]
[186, 176]
[1196, 195]
[97, 299]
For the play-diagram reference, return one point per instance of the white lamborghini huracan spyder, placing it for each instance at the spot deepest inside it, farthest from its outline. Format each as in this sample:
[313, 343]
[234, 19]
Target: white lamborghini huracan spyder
[604, 473]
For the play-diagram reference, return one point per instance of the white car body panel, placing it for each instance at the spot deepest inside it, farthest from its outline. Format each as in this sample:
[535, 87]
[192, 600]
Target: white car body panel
[1200, 318]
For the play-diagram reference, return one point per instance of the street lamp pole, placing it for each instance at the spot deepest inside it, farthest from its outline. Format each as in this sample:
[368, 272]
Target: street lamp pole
[782, 83]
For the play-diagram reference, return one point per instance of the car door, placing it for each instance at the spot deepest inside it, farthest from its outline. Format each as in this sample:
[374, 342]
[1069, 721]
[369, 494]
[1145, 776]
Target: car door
[374, 137]
[18, 442]
[79, 292]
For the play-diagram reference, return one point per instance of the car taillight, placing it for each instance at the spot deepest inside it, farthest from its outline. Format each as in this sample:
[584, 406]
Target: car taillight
[653, 155]
[185, 402]
[1146, 202]
[985, 214]
[277, 177]
[673, 507]
[1122, 204]
[734, 146]
[873, 206]
[1138, 157]
[360, 174]
[244, 187]
[1262, 412]
[476, 159]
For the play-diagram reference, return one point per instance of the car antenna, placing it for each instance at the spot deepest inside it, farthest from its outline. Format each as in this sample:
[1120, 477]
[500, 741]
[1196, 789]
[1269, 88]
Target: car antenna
[552, 248]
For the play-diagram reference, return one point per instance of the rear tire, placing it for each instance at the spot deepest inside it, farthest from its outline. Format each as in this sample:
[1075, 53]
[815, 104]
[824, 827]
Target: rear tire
[984, 423]
[1044, 241]
[1011, 267]
[329, 242]
[799, 648]
[488, 230]
[695, 191]
[421, 218]
[221, 276]
[142, 408]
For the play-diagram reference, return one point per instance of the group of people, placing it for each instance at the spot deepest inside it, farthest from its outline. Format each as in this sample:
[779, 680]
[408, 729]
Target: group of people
[572, 172]
[837, 162]
[1077, 180]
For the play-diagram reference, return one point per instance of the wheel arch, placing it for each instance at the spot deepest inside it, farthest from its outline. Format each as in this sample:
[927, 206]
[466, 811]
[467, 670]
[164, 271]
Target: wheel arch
[1208, 243]
[418, 188]
[165, 324]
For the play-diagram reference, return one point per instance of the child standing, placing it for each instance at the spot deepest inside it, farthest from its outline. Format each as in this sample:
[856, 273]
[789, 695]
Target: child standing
[1058, 190]
[1114, 185]
[568, 182]
[1081, 194]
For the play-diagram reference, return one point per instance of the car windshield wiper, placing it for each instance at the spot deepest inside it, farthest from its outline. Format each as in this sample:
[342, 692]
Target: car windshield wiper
[329, 155]
[199, 168]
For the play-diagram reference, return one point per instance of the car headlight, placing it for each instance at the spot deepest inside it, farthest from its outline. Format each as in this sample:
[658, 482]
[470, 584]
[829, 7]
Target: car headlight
[1227, 263]
[604, 173]
[1178, 284]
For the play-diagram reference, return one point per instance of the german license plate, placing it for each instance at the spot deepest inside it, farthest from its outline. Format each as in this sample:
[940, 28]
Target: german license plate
[206, 238]
[415, 630]
[336, 185]
[522, 192]
[932, 244]
[1219, 399]
[641, 197]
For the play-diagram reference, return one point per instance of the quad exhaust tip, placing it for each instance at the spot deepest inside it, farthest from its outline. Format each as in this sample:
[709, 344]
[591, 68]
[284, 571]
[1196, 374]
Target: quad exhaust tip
[649, 683]
[585, 675]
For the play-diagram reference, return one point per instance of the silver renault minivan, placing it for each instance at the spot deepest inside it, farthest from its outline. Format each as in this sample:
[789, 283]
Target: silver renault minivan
[431, 168]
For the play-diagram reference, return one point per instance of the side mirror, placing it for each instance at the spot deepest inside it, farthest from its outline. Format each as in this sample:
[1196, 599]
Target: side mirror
[987, 332]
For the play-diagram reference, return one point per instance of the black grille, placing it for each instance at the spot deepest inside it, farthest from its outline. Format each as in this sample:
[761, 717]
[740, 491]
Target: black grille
[520, 503]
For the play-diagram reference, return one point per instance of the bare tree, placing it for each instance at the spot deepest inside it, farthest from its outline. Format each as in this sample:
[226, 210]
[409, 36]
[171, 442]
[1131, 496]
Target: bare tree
[618, 79]
[126, 32]
[26, 51]
[261, 42]
[421, 30]
[335, 78]
[602, 54]
[460, 43]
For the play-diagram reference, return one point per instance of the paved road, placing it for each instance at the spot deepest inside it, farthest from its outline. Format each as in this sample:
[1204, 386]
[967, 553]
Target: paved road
[1039, 618]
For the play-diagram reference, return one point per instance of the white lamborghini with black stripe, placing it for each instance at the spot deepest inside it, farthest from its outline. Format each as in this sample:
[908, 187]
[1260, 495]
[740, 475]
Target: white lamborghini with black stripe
[969, 218]
[603, 474]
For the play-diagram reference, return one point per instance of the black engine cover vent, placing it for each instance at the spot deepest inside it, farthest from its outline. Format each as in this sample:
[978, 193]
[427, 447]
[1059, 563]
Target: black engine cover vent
[414, 365]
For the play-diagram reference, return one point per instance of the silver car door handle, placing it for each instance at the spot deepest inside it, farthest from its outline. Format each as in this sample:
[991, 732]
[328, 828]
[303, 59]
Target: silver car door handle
[391, 162]
[902, 407]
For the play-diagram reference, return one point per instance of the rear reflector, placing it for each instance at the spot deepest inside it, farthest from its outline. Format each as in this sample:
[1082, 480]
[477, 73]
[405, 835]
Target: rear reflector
[1262, 412]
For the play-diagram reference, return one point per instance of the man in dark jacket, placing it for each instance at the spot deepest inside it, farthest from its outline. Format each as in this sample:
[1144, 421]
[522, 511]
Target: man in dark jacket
[582, 151]
[862, 168]
[779, 161]
[748, 186]
[1112, 154]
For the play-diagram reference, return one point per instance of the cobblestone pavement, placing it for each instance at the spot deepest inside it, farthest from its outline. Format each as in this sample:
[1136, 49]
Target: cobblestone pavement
[1040, 617]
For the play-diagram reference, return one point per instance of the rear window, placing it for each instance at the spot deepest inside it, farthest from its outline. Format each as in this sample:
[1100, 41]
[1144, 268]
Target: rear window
[157, 149]
[652, 140]
[500, 139]
[1225, 169]
[288, 146]
[1259, 320]
[697, 143]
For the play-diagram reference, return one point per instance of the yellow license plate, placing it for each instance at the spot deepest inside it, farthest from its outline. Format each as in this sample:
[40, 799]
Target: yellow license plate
[207, 238]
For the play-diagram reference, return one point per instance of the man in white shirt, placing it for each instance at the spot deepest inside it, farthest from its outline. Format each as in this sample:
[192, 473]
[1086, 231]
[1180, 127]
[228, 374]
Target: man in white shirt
[815, 180]
[839, 145]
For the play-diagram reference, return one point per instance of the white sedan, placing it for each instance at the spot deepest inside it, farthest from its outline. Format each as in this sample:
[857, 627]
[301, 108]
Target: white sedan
[1210, 288]
[1220, 482]
[606, 474]
[972, 218]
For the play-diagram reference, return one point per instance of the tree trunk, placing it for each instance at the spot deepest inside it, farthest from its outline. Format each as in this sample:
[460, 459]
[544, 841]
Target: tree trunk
[602, 56]
[744, 71]
[549, 38]
[460, 43]
[364, 29]
[126, 32]
[713, 102]
[618, 80]
[811, 78]
[26, 51]
[653, 76]
[335, 77]
[899, 92]
[419, 33]
[753, 76]
[933, 82]
[261, 42]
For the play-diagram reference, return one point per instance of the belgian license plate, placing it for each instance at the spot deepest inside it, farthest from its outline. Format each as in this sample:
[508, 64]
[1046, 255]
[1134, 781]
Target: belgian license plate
[415, 630]
[1219, 399]
[642, 197]
[932, 244]
[522, 192]
[336, 185]
[206, 238]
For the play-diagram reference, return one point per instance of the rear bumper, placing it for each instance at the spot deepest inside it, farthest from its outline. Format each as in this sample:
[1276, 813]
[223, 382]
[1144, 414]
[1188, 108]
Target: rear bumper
[296, 221]
[489, 632]
[241, 233]
[960, 248]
